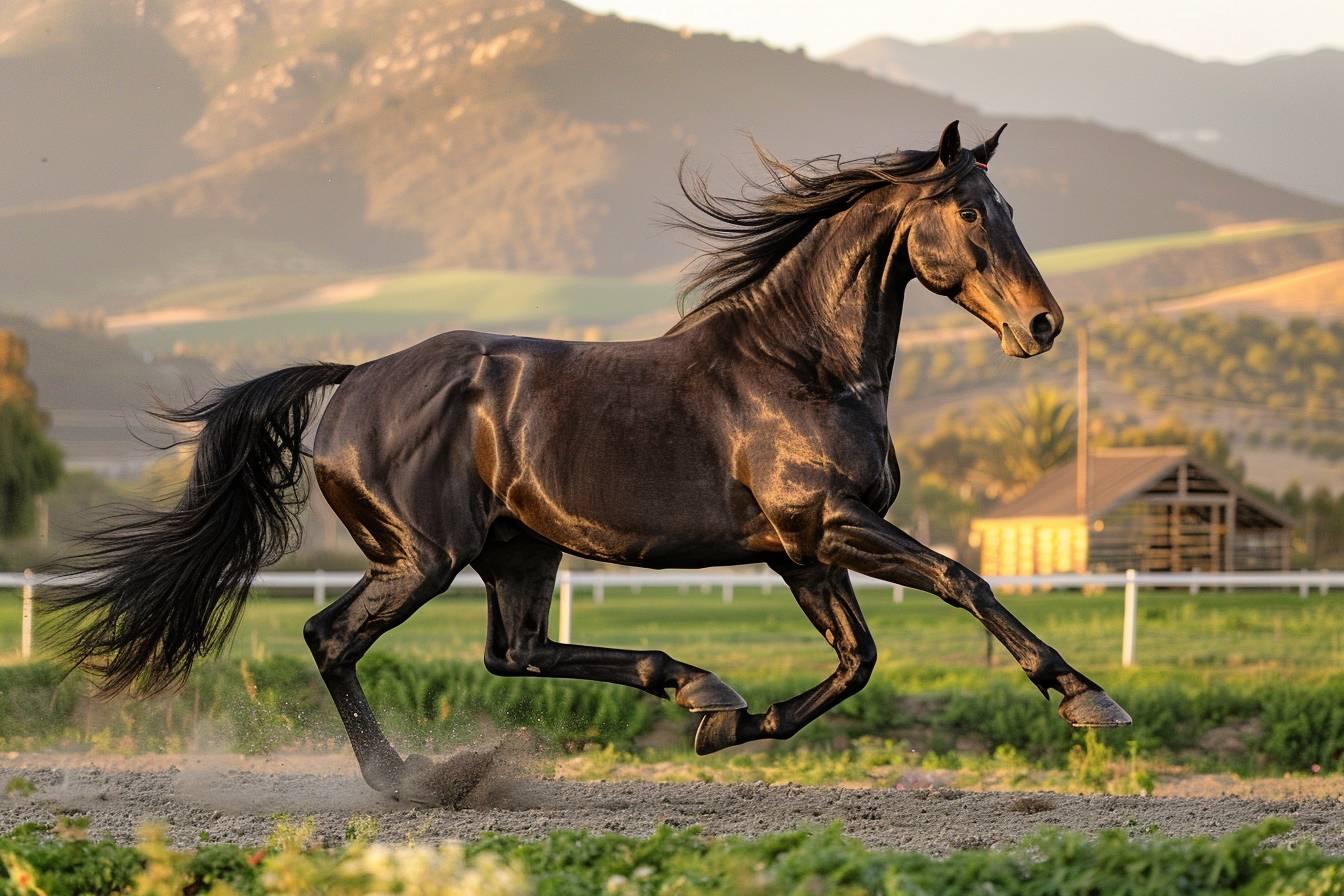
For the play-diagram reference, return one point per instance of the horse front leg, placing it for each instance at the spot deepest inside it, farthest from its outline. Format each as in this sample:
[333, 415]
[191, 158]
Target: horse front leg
[862, 541]
[827, 598]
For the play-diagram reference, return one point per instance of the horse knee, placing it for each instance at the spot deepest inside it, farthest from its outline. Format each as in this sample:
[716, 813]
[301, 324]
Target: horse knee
[857, 666]
[967, 590]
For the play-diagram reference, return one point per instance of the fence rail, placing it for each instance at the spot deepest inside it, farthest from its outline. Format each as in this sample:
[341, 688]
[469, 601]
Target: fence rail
[319, 582]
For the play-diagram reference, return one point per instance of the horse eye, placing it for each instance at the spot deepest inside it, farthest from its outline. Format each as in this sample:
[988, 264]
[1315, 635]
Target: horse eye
[970, 214]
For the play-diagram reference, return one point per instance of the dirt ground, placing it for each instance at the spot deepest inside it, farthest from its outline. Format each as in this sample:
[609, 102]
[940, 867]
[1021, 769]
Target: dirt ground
[237, 800]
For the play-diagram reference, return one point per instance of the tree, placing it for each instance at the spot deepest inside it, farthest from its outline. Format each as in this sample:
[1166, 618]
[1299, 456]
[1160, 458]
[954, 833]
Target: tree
[1210, 444]
[30, 463]
[1038, 433]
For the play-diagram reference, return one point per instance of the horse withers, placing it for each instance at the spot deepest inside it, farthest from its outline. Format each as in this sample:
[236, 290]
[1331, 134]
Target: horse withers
[754, 431]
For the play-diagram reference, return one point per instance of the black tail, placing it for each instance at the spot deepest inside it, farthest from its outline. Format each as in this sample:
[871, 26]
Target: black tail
[169, 585]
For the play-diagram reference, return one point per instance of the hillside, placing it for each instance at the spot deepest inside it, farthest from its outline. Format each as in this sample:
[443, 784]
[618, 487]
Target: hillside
[1274, 119]
[359, 319]
[273, 320]
[331, 138]
[1316, 291]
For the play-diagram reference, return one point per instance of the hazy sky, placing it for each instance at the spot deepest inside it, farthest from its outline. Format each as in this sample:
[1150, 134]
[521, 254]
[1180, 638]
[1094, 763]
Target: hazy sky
[1206, 29]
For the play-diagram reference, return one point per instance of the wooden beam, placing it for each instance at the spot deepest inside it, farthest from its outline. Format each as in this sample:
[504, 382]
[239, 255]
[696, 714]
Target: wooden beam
[1197, 500]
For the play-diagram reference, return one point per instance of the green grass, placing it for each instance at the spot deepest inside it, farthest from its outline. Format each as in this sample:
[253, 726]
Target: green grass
[1069, 259]
[1212, 662]
[763, 633]
[407, 305]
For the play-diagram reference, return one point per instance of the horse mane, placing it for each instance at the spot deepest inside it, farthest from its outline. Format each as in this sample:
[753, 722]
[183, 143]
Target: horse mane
[745, 237]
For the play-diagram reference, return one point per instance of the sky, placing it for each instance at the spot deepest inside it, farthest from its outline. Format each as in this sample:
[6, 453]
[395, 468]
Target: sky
[1205, 29]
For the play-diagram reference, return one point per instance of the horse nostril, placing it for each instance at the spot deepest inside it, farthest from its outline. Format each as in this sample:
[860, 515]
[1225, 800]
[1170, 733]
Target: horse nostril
[1043, 327]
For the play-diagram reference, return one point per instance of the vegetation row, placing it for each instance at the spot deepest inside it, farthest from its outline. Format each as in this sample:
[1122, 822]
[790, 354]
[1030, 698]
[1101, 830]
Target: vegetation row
[1208, 721]
[568, 863]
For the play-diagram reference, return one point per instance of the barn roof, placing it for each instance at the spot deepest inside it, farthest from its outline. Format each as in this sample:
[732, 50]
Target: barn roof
[1117, 475]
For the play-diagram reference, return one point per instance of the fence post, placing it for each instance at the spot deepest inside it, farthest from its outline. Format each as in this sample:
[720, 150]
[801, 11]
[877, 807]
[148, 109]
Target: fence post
[1194, 584]
[599, 590]
[898, 594]
[566, 606]
[320, 588]
[1131, 614]
[26, 630]
[727, 591]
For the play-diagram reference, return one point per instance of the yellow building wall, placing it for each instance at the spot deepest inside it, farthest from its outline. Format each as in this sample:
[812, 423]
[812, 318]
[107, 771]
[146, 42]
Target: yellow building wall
[1030, 546]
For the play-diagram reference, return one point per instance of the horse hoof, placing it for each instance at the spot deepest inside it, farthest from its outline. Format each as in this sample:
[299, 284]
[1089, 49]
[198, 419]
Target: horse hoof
[424, 782]
[1093, 709]
[718, 730]
[707, 693]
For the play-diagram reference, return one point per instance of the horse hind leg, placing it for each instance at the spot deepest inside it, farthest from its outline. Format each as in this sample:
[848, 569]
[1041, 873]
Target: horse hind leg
[404, 574]
[827, 599]
[340, 634]
[520, 578]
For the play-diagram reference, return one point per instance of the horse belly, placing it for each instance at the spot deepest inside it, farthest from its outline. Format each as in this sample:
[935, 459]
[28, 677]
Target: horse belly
[651, 493]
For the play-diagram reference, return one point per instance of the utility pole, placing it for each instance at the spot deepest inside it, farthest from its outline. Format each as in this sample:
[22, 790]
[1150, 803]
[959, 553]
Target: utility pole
[1084, 466]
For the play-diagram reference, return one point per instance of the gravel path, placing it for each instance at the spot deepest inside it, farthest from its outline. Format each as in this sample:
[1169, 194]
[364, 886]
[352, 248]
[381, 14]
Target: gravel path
[236, 800]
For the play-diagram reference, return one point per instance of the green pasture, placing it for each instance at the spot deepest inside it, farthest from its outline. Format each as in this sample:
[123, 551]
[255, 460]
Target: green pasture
[1254, 673]
[763, 634]
[406, 306]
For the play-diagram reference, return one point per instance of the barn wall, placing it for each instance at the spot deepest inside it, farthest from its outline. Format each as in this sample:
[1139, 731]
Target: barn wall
[1030, 546]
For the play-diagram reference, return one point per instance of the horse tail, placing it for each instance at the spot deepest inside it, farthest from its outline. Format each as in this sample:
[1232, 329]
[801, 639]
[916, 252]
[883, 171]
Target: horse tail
[160, 588]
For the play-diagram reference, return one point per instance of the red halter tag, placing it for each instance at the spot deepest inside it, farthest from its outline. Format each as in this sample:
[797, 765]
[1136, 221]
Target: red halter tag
[983, 166]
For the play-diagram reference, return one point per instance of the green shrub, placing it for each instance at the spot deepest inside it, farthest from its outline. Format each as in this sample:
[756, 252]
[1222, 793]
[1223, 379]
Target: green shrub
[574, 863]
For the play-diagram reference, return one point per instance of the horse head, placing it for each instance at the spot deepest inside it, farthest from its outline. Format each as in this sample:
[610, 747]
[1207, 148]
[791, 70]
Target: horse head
[962, 244]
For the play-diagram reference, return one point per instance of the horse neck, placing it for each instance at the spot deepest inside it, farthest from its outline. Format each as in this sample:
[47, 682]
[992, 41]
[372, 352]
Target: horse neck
[831, 309]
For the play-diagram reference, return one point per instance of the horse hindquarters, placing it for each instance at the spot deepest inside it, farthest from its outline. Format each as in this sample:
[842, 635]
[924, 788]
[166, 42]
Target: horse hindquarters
[416, 538]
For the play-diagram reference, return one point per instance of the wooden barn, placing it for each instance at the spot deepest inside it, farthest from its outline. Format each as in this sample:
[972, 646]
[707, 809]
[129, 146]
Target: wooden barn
[1150, 509]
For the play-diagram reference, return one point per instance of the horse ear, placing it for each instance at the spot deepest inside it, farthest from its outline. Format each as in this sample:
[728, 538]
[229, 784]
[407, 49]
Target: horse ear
[949, 145]
[985, 151]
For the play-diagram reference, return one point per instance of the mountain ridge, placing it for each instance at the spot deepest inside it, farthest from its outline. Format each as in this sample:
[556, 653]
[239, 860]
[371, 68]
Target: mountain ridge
[342, 136]
[1251, 117]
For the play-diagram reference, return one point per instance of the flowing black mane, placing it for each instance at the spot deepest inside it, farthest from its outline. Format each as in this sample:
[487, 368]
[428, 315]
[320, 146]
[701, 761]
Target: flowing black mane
[747, 236]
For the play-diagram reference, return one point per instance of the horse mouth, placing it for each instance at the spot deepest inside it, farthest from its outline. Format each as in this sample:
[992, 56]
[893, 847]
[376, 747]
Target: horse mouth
[1010, 343]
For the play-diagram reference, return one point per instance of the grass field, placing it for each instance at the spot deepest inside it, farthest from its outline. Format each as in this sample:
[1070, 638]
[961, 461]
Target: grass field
[404, 306]
[764, 634]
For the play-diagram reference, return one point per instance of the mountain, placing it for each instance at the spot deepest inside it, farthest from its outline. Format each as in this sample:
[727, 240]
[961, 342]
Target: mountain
[1276, 120]
[167, 144]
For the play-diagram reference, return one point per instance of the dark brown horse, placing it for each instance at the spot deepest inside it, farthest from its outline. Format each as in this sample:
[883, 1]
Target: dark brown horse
[755, 431]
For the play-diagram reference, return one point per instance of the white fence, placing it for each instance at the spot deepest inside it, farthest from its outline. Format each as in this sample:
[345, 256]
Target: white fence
[320, 582]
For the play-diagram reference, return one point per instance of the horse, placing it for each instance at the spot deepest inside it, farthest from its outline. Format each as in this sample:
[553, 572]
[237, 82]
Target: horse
[755, 431]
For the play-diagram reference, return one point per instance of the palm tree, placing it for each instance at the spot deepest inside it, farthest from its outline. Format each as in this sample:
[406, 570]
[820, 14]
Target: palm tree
[1038, 433]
